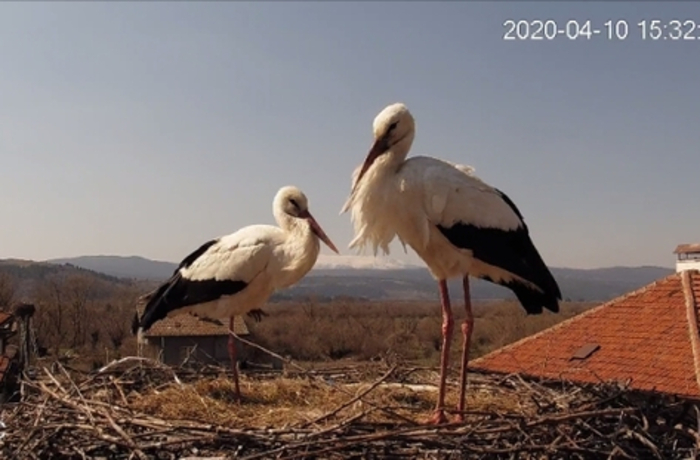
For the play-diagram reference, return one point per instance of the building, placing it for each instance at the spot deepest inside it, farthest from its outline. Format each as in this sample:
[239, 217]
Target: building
[186, 339]
[687, 257]
[648, 338]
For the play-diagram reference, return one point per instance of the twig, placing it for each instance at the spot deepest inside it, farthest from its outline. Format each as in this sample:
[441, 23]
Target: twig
[291, 363]
[81, 415]
[351, 401]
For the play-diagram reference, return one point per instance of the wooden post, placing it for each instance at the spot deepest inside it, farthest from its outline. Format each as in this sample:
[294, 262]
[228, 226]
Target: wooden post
[24, 312]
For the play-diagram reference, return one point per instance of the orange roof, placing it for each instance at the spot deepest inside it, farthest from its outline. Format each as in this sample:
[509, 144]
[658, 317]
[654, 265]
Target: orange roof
[189, 325]
[648, 336]
[4, 367]
[4, 317]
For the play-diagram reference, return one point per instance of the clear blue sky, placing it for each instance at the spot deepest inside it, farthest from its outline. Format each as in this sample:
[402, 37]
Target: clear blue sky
[147, 128]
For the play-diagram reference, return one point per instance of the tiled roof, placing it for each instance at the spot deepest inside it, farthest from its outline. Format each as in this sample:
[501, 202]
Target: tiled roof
[686, 248]
[648, 336]
[4, 317]
[189, 325]
[4, 366]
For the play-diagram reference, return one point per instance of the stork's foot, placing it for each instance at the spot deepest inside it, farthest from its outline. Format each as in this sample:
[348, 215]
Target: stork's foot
[438, 418]
[459, 418]
[257, 314]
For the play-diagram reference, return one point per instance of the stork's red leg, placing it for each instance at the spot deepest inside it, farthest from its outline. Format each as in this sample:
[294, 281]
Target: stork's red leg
[447, 327]
[467, 328]
[232, 355]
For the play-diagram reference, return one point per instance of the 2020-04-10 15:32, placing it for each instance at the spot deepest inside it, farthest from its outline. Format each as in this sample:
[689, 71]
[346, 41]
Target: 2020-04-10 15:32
[614, 30]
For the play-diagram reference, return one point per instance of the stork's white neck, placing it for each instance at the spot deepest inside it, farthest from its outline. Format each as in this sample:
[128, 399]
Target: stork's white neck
[300, 249]
[284, 220]
[397, 153]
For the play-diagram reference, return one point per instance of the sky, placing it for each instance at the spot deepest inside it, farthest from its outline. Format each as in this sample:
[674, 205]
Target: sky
[132, 128]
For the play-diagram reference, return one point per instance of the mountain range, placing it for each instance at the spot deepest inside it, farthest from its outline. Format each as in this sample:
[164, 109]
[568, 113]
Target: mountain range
[381, 278]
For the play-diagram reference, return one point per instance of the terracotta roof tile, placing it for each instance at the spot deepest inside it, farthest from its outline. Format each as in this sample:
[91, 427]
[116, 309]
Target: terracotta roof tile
[649, 336]
[189, 325]
[4, 365]
[4, 317]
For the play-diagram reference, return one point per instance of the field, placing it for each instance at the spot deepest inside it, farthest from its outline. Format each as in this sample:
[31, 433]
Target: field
[411, 331]
[84, 319]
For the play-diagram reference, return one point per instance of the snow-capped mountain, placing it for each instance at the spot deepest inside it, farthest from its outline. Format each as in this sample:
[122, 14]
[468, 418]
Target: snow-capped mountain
[325, 262]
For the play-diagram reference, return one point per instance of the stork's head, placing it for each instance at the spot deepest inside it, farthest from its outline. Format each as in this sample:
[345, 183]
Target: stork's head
[292, 203]
[392, 124]
[394, 129]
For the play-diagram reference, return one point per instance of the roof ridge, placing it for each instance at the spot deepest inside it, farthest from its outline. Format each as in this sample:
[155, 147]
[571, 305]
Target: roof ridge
[692, 314]
[567, 322]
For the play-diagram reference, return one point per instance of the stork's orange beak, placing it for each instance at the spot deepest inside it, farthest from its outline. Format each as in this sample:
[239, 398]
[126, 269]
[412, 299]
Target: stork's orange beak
[379, 147]
[316, 228]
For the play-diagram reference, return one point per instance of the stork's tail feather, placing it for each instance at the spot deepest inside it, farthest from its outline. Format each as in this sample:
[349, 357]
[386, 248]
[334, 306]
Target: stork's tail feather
[135, 322]
[156, 303]
[534, 300]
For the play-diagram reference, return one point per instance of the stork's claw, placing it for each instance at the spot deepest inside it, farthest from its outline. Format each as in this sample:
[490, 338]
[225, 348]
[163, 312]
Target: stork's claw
[438, 418]
[257, 314]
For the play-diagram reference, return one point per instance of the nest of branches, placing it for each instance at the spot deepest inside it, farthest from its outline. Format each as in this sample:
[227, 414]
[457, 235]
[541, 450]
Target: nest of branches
[137, 408]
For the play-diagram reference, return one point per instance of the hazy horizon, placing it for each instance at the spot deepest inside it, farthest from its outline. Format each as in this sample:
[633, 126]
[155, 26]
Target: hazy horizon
[148, 128]
[349, 259]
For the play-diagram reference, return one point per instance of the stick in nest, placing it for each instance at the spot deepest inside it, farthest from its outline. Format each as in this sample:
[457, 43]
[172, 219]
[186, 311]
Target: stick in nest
[352, 400]
[306, 372]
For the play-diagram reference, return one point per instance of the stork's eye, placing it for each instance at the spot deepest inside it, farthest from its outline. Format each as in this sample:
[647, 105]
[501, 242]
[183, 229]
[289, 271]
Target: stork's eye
[294, 203]
[393, 126]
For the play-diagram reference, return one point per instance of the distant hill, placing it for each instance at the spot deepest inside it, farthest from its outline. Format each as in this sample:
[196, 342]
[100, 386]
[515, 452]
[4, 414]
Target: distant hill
[142, 268]
[28, 274]
[382, 278]
[122, 267]
[29, 269]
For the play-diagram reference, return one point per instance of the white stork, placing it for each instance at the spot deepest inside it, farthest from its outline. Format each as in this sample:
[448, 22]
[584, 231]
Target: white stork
[237, 273]
[457, 224]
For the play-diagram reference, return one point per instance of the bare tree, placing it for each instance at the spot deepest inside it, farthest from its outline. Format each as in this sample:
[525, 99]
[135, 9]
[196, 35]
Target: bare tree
[51, 313]
[80, 292]
[8, 289]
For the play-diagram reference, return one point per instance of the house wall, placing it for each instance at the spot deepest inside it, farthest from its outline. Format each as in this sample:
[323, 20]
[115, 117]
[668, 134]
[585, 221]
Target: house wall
[687, 264]
[210, 350]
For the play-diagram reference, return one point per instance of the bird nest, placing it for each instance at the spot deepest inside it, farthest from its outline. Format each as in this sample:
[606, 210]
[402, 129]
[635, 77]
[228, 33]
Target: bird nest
[137, 408]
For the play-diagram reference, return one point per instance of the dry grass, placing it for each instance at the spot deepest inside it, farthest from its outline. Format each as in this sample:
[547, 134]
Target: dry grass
[411, 330]
[284, 402]
[145, 410]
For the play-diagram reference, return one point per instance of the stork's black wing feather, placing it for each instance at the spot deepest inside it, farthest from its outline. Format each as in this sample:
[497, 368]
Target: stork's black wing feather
[196, 254]
[179, 291]
[512, 251]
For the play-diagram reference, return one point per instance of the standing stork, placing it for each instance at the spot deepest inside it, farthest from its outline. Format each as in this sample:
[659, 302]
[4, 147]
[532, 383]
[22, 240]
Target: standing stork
[457, 224]
[237, 273]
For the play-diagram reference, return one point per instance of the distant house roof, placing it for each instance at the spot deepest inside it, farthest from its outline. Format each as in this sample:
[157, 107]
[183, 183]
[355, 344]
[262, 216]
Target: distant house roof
[187, 325]
[5, 317]
[648, 336]
[5, 362]
[7, 324]
[687, 248]
[4, 366]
